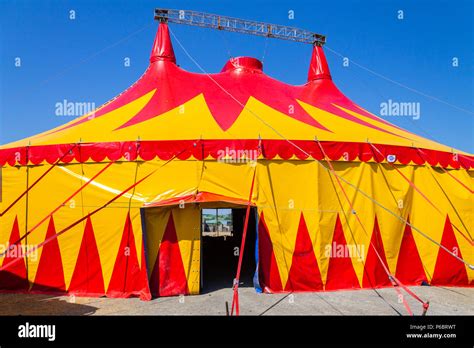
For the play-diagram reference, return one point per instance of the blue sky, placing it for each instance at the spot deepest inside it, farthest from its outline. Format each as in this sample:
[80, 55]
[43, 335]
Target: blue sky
[82, 60]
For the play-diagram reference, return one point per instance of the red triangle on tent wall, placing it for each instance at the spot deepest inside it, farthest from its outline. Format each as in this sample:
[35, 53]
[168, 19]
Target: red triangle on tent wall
[50, 275]
[448, 270]
[341, 273]
[304, 273]
[410, 269]
[374, 272]
[14, 276]
[168, 276]
[128, 277]
[87, 278]
[269, 275]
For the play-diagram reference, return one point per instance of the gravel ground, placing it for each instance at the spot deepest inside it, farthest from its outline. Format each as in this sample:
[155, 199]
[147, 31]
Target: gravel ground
[443, 301]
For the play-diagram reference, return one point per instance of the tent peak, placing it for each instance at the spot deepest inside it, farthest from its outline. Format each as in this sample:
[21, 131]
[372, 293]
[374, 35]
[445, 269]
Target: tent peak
[318, 68]
[162, 46]
[248, 63]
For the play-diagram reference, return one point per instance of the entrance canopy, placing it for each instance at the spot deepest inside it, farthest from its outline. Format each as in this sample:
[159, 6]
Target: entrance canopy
[204, 198]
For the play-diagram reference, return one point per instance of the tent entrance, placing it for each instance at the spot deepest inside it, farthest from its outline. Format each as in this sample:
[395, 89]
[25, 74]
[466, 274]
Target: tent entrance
[221, 237]
[192, 243]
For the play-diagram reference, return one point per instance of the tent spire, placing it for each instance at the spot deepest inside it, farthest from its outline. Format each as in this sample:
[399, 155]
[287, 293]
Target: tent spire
[318, 68]
[162, 47]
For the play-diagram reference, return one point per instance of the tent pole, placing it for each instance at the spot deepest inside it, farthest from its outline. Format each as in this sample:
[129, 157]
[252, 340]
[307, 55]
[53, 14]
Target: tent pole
[129, 208]
[235, 299]
[26, 212]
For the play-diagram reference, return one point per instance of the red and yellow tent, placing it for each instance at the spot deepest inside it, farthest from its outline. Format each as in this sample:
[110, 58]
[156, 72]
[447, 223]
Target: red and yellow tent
[109, 203]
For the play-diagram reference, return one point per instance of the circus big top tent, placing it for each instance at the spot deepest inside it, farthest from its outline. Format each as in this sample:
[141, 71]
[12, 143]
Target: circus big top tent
[110, 203]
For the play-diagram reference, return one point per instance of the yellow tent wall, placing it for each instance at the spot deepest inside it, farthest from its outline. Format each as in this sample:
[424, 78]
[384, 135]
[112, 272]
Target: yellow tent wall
[296, 200]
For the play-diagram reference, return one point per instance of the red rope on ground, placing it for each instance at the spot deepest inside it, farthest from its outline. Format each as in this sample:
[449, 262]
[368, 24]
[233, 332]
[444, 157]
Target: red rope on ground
[37, 180]
[405, 303]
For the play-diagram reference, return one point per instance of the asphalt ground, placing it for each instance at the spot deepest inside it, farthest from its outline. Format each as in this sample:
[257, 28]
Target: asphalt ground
[443, 301]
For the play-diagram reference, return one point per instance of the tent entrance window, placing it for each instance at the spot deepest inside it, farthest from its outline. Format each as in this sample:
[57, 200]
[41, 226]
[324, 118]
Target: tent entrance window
[221, 236]
[217, 222]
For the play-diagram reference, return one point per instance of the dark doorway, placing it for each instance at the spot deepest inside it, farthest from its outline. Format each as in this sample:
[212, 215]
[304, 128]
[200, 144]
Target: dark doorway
[220, 249]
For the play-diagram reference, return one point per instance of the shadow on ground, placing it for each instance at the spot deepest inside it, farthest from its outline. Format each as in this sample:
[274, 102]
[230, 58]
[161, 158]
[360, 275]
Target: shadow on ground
[36, 304]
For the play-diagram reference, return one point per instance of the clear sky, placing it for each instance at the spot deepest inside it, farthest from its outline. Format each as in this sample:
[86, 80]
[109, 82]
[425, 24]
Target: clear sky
[82, 59]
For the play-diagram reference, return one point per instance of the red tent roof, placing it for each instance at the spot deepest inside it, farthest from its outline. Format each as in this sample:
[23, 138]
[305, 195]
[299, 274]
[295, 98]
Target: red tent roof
[170, 111]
